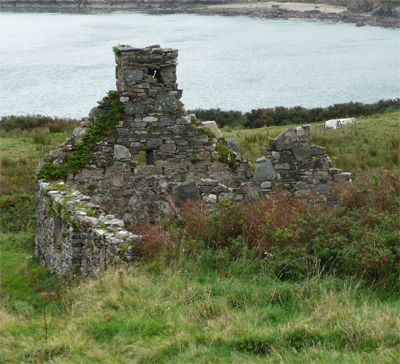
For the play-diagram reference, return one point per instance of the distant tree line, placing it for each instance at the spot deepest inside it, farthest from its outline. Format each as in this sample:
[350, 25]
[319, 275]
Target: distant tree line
[293, 115]
[27, 122]
[258, 118]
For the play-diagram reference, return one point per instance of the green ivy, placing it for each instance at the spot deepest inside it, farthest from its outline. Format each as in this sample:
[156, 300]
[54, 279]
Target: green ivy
[103, 126]
[209, 133]
[227, 154]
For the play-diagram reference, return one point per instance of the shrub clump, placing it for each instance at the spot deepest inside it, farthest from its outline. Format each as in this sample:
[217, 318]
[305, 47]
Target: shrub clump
[227, 155]
[291, 238]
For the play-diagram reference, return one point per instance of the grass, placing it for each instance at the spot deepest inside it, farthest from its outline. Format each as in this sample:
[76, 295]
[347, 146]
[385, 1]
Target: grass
[129, 315]
[373, 143]
[20, 153]
[180, 310]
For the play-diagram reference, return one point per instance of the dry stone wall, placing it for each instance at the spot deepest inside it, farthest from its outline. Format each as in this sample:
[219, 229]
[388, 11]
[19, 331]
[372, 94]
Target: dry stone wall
[158, 156]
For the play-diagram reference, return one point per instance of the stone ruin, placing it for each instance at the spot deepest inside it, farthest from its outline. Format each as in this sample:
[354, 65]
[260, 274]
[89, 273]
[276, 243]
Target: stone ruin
[158, 156]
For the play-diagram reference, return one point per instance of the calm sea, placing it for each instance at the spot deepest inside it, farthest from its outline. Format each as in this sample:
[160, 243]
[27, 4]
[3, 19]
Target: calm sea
[61, 63]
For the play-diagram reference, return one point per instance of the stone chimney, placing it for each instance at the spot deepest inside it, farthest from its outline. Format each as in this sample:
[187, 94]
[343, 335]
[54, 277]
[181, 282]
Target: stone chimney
[146, 78]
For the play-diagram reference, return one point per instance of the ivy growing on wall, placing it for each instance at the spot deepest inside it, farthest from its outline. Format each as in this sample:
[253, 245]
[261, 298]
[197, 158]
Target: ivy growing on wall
[103, 126]
[227, 155]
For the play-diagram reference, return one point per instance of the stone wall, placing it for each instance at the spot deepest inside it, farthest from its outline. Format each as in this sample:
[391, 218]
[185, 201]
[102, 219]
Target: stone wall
[173, 148]
[158, 156]
[75, 234]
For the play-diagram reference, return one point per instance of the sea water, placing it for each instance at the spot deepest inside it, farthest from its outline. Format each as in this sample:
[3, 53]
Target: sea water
[59, 63]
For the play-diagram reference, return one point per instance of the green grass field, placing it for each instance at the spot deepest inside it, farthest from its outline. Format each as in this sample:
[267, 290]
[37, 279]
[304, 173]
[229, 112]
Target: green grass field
[373, 142]
[204, 303]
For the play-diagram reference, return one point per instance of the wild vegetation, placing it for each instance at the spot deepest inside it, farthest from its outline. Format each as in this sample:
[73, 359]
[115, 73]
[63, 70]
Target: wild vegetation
[276, 281]
[104, 125]
[294, 115]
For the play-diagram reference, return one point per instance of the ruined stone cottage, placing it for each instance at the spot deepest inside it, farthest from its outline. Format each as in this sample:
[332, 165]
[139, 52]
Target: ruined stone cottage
[152, 156]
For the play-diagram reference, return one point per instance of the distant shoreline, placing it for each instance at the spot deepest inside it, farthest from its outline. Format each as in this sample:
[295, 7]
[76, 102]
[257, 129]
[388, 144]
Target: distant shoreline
[267, 10]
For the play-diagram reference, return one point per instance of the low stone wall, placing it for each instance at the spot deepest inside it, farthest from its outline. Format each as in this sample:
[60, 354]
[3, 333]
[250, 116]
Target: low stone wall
[291, 164]
[69, 237]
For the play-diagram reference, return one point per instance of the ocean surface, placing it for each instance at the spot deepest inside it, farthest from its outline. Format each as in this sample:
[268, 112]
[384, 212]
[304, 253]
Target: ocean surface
[60, 63]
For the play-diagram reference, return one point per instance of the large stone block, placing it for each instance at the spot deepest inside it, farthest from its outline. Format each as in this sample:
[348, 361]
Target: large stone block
[78, 134]
[134, 108]
[199, 139]
[168, 148]
[168, 74]
[318, 150]
[264, 172]
[154, 142]
[303, 152]
[132, 75]
[233, 145]
[184, 120]
[166, 104]
[286, 140]
[166, 121]
[121, 152]
[185, 192]
[212, 125]
[96, 111]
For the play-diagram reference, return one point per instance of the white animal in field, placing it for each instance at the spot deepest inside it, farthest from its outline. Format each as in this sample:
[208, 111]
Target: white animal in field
[347, 121]
[333, 124]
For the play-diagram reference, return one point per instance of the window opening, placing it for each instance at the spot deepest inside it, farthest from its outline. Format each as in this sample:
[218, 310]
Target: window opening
[155, 74]
[57, 233]
[151, 161]
[146, 158]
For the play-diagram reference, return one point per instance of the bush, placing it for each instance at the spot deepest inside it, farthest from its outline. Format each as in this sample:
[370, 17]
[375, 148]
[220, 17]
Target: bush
[222, 118]
[291, 238]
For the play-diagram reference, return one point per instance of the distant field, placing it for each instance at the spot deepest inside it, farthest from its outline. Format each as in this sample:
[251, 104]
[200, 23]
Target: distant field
[373, 142]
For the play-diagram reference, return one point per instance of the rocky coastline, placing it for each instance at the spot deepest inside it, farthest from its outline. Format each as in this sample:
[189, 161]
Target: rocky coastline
[380, 16]
[320, 12]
